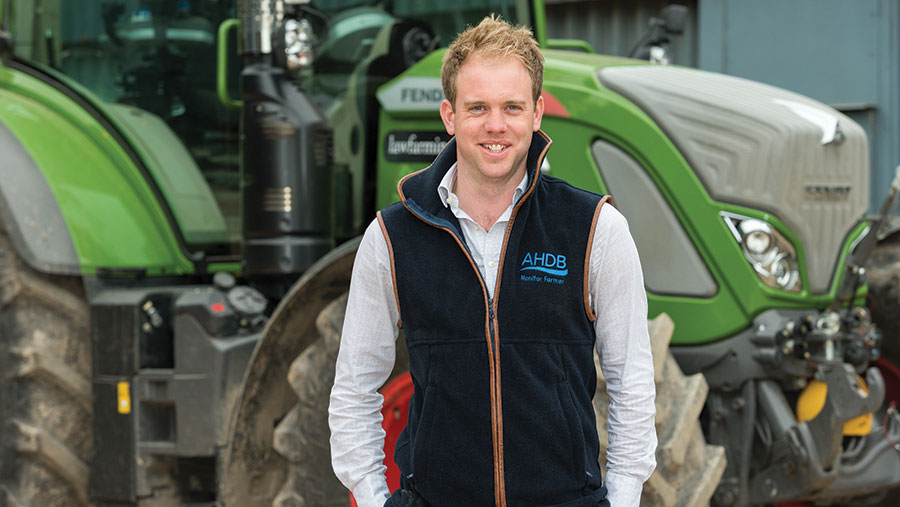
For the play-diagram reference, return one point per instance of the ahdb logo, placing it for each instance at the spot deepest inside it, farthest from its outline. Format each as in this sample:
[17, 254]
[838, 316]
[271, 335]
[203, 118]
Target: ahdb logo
[535, 263]
[545, 263]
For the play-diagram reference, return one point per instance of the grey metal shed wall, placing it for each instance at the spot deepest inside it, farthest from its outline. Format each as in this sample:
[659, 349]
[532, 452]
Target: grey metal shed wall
[613, 26]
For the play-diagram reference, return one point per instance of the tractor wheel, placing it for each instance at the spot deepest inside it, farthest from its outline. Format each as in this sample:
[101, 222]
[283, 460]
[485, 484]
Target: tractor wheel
[687, 469]
[277, 451]
[302, 436]
[45, 387]
[884, 299]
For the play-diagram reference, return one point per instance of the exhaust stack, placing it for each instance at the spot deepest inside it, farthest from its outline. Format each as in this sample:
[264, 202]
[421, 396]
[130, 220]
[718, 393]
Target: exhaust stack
[286, 158]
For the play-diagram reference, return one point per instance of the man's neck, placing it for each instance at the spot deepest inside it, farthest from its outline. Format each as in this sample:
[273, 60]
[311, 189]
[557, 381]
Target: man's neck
[485, 200]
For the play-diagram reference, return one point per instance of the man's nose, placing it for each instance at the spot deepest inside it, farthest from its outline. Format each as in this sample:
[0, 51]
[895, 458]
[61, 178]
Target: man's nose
[495, 122]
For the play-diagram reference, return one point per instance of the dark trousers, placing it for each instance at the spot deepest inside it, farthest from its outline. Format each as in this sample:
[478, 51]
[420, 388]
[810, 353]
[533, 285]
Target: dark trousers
[407, 496]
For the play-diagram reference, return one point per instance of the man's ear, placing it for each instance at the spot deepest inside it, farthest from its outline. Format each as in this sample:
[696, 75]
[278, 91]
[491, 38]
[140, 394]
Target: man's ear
[538, 112]
[447, 116]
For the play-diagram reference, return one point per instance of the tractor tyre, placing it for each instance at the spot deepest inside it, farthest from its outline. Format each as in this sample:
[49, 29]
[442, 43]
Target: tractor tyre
[302, 437]
[687, 469]
[276, 450]
[883, 277]
[45, 386]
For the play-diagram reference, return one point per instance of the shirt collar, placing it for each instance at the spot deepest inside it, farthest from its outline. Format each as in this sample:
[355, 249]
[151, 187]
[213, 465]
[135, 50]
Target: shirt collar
[449, 199]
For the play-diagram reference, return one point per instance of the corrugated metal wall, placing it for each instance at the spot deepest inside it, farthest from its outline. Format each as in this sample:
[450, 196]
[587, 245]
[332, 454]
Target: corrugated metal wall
[612, 27]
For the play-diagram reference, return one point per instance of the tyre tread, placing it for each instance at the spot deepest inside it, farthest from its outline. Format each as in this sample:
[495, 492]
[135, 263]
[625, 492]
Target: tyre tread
[45, 396]
[687, 469]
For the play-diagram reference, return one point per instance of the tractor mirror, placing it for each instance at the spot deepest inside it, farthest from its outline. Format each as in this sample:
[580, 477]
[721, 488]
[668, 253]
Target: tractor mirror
[673, 18]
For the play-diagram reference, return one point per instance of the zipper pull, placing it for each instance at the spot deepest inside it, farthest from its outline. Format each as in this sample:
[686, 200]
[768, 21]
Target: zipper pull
[491, 311]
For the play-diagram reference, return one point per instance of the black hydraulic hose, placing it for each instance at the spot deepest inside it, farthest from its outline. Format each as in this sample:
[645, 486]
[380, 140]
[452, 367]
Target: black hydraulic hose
[857, 259]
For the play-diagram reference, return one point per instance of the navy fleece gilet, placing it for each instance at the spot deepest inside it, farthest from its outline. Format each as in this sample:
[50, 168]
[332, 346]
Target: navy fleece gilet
[501, 413]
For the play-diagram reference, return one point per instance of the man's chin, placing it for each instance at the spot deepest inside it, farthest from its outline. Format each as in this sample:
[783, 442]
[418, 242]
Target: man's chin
[498, 172]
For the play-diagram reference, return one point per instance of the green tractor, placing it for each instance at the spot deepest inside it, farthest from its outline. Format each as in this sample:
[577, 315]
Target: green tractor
[182, 183]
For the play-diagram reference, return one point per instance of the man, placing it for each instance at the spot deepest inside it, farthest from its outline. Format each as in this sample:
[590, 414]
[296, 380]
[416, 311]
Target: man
[504, 281]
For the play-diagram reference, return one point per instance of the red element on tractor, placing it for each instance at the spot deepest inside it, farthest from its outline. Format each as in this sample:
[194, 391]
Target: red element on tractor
[553, 106]
[394, 412]
[891, 375]
[217, 307]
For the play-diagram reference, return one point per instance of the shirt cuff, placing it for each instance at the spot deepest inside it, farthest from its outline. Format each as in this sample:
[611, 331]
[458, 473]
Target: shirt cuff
[371, 491]
[622, 490]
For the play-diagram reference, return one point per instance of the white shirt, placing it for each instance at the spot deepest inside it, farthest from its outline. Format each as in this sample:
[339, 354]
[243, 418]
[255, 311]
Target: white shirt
[368, 345]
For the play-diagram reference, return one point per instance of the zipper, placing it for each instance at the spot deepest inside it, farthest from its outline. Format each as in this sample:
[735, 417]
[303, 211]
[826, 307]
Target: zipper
[496, 409]
[494, 346]
[493, 363]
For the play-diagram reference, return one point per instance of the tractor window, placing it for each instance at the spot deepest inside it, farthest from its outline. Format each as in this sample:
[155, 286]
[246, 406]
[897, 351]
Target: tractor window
[449, 18]
[671, 264]
[152, 65]
[349, 30]
[446, 19]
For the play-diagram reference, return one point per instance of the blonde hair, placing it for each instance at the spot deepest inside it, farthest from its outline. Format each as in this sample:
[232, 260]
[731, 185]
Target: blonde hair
[493, 38]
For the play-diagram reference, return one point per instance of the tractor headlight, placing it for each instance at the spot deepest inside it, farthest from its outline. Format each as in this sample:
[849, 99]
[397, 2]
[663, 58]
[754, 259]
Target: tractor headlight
[772, 256]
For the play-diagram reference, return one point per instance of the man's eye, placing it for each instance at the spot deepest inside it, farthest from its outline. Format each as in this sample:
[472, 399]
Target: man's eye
[476, 108]
[513, 107]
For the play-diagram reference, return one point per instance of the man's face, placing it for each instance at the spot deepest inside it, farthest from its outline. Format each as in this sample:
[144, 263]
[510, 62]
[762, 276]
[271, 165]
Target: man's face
[493, 119]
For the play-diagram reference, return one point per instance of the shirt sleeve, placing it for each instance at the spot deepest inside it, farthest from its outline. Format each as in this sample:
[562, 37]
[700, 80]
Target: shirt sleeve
[364, 363]
[623, 345]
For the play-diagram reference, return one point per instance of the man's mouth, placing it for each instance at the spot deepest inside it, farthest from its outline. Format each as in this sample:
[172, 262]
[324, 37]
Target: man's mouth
[495, 148]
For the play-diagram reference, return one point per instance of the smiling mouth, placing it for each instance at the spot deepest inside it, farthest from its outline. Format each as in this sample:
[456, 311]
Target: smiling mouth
[495, 148]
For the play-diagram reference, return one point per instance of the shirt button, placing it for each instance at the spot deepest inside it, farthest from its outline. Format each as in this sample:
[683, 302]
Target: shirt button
[492, 264]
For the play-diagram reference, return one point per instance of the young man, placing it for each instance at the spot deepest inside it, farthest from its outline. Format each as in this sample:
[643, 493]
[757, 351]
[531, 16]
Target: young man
[504, 281]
